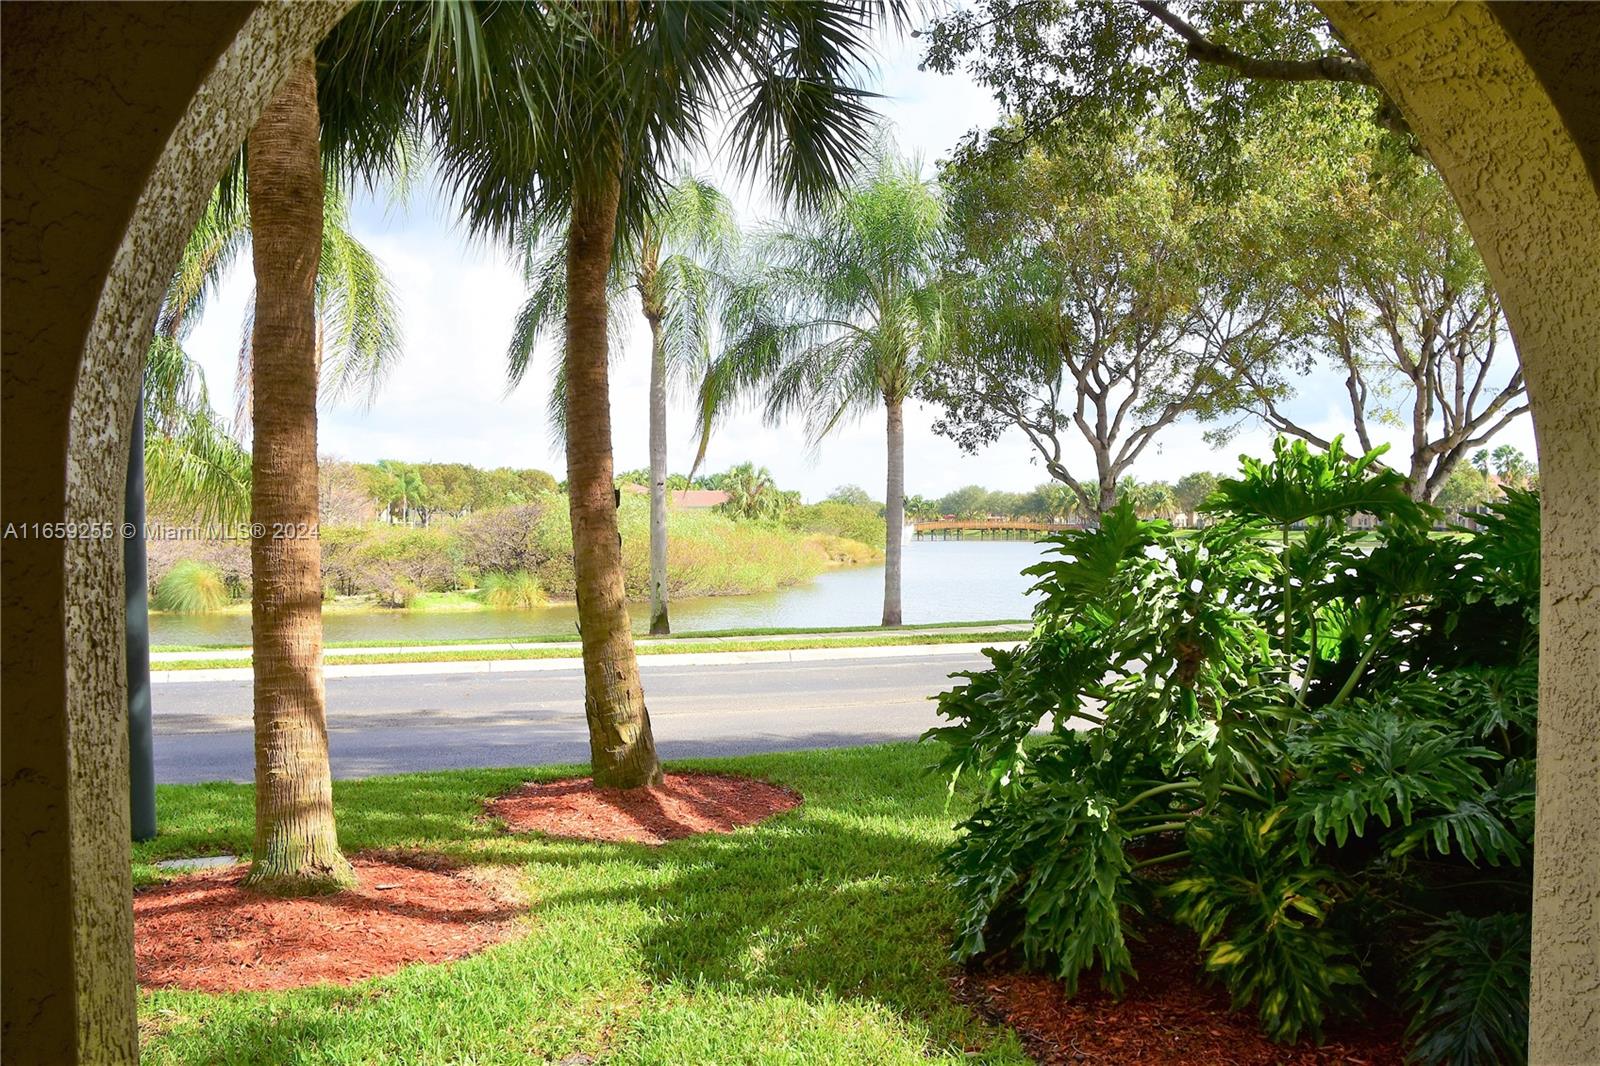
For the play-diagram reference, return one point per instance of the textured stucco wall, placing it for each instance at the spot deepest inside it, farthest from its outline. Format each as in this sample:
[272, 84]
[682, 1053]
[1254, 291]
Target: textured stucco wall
[1505, 98]
[118, 120]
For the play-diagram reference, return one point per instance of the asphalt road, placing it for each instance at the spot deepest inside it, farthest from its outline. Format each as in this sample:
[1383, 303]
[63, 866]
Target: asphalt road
[396, 724]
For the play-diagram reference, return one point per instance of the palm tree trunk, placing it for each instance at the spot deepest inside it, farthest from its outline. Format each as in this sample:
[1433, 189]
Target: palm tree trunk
[659, 625]
[622, 751]
[296, 849]
[894, 513]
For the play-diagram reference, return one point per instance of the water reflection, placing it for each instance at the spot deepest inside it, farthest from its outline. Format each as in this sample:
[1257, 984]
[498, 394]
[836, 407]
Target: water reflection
[943, 581]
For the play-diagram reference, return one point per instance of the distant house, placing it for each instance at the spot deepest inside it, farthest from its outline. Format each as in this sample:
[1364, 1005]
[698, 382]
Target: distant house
[689, 499]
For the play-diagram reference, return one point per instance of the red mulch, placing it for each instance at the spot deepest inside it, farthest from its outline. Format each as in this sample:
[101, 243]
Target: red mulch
[683, 805]
[1170, 1016]
[206, 932]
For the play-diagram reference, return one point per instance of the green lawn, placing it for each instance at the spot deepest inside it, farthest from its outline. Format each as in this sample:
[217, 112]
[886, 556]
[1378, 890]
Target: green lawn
[889, 638]
[570, 637]
[818, 937]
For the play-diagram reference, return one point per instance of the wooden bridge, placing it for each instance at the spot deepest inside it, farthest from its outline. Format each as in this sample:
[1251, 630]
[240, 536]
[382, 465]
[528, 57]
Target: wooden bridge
[990, 528]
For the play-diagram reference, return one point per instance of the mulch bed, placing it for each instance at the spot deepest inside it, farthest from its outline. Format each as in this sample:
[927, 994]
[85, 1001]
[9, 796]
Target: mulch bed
[683, 805]
[1170, 1016]
[206, 932]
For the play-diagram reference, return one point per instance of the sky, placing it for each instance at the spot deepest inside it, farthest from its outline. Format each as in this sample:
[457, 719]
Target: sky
[446, 399]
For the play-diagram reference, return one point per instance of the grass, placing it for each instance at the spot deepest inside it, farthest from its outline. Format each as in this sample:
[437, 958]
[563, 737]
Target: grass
[569, 637]
[889, 639]
[514, 591]
[191, 588]
[818, 937]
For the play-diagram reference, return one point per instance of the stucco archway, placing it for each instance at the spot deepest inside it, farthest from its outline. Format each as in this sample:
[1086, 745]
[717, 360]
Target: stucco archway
[1503, 97]
[118, 124]
[1506, 100]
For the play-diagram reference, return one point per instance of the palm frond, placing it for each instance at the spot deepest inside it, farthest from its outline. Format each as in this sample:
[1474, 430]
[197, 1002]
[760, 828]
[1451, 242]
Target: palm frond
[215, 243]
[197, 469]
[174, 384]
[360, 329]
[838, 310]
[359, 337]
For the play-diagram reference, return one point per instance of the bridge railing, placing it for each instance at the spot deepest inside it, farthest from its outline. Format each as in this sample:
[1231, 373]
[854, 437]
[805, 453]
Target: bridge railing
[1024, 524]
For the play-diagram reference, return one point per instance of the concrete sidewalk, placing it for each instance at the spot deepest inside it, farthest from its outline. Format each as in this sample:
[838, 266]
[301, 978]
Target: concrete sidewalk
[574, 661]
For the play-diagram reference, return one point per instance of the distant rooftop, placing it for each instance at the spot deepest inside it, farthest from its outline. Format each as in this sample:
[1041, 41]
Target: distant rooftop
[693, 499]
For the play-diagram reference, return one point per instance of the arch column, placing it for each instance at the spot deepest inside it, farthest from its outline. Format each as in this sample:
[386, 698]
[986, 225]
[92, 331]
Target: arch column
[118, 122]
[1505, 99]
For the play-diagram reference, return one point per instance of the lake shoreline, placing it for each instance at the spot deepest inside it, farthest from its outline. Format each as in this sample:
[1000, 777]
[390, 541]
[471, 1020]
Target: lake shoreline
[943, 582]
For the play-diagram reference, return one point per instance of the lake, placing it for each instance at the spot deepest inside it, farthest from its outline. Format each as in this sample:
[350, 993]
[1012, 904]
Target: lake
[943, 581]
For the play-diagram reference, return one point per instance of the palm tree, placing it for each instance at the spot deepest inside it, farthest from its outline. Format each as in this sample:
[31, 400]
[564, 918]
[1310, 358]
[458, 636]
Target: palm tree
[194, 462]
[752, 493]
[682, 248]
[843, 313]
[295, 220]
[193, 465]
[296, 847]
[919, 509]
[402, 488]
[604, 95]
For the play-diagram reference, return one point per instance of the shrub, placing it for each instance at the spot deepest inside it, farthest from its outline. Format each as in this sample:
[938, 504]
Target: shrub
[340, 546]
[518, 590]
[858, 522]
[1468, 990]
[506, 540]
[191, 587]
[841, 551]
[230, 558]
[398, 563]
[1297, 730]
[710, 554]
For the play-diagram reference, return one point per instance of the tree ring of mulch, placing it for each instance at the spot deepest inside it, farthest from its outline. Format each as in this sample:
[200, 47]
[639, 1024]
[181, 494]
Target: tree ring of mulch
[208, 933]
[683, 805]
[1169, 1016]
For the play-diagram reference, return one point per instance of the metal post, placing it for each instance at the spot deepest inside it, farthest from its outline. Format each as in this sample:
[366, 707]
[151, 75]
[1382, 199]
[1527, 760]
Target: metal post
[141, 747]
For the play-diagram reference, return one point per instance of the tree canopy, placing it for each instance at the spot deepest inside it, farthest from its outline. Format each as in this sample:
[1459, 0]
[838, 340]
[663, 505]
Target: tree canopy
[1097, 292]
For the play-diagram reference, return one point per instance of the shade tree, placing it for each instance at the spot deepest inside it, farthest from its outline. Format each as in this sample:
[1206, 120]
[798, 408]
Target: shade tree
[1089, 302]
[1192, 490]
[1094, 61]
[1395, 299]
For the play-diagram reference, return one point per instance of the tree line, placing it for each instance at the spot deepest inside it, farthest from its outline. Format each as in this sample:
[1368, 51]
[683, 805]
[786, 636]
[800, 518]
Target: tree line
[513, 556]
[417, 493]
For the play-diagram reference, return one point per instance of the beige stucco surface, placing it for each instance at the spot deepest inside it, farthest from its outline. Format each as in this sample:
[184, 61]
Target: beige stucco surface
[1511, 138]
[118, 122]
[206, 137]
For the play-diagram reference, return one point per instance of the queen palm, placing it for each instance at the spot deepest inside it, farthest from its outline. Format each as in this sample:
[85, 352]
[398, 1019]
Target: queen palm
[606, 95]
[843, 312]
[313, 296]
[674, 267]
[193, 465]
[403, 486]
